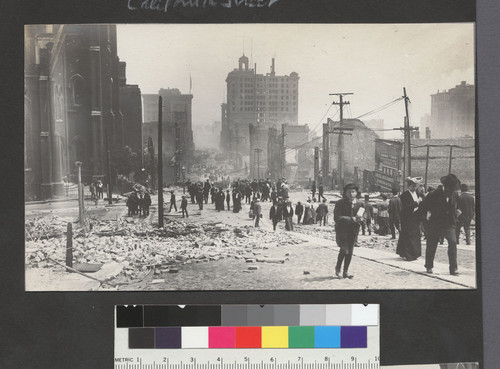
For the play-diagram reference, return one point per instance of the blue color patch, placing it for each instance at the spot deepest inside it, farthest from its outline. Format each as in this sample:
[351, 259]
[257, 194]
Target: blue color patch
[325, 336]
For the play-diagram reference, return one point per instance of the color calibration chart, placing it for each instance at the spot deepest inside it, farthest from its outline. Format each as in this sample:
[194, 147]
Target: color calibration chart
[247, 336]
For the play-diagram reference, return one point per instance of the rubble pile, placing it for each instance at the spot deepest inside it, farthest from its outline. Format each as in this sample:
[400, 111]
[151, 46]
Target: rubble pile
[140, 247]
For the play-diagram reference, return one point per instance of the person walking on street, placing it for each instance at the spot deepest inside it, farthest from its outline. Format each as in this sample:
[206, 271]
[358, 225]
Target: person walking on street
[257, 210]
[322, 212]
[275, 214]
[410, 243]
[394, 213]
[346, 228]
[288, 215]
[228, 200]
[172, 201]
[147, 204]
[466, 205]
[206, 190]
[184, 204]
[442, 206]
[199, 197]
[299, 210]
[320, 192]
[383, 216]
[367, 216]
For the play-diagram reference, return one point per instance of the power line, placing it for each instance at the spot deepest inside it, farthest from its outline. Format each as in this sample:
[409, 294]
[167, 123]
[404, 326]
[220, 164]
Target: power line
[376, 110]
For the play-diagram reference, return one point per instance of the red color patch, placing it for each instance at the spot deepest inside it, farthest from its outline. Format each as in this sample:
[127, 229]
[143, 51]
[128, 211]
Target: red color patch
[248, 337]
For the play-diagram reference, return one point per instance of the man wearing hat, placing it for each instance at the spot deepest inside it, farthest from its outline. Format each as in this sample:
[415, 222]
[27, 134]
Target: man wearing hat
[346, 228]
[442, 205]
[409, 243]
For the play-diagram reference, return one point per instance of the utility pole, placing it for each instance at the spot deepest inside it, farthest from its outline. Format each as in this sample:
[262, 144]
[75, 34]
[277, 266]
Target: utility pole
[316, 165]
[108, 166]
[407, 141]
[325, 168]
[160, 163]
[407, 162]
[451, 155]
[340, 164]
[80, 194]
[426, 166]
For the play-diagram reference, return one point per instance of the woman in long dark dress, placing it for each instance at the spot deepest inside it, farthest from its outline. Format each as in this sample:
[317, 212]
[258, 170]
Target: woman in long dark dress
[409, 243]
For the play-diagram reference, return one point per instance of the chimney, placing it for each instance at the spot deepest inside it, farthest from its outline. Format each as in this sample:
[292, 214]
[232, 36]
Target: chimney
[272, 67]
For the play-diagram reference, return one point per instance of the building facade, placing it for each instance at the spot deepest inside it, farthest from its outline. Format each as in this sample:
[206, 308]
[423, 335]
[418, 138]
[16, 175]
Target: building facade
[131, 108]
[178, 145]
[262, 100]
[72, 104]
[453, 112]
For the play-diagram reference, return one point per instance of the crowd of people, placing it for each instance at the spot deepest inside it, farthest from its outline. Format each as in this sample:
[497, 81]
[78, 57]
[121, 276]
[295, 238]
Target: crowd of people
[416, 214]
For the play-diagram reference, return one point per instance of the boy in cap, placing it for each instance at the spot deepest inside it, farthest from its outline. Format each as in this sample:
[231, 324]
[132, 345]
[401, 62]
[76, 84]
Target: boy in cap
[346, 228]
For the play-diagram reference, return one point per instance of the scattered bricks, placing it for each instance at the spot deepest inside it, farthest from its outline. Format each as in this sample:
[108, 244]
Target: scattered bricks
[253, 268]
[306, 272]
[250, 260]
[173, 270]
[156, 281]
[157, 272]
[269, 260]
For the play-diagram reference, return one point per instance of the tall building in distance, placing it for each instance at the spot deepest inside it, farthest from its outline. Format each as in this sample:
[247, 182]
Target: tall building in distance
[256, 99]
[177, 141]
[376, 125]
[453, 112]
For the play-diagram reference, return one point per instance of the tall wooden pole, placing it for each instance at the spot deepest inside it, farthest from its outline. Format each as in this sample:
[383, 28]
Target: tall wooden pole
[326, 154]
[80, 194]
[426, 166]
[160, 163]
[407, 141]
[316, 165]
[451, 155]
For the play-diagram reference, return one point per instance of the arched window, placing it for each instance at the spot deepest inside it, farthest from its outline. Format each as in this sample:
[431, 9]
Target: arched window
[77, 90]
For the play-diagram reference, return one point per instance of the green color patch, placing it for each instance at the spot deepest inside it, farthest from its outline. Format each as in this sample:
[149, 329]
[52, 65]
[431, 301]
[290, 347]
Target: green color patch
[301, 337]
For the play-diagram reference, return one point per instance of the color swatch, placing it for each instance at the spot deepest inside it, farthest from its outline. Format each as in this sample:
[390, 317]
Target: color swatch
[246, 326]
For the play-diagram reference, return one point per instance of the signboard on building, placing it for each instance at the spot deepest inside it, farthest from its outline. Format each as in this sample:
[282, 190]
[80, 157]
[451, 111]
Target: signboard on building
[387, 171]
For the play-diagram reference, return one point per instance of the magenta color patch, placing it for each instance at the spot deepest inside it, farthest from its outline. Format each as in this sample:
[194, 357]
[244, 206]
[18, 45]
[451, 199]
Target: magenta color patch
[221, 337]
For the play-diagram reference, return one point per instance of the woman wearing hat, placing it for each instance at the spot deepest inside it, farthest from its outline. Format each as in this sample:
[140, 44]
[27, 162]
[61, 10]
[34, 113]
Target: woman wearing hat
[409, 243]
[346, 228]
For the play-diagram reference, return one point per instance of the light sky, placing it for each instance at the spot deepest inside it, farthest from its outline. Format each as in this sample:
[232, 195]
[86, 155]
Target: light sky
[373, 61]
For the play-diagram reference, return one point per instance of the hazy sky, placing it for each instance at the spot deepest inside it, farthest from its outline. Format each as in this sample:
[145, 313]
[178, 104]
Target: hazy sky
[373, 61]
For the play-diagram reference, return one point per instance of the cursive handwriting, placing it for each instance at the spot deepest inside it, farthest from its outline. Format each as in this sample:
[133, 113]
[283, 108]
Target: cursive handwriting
[165, 5]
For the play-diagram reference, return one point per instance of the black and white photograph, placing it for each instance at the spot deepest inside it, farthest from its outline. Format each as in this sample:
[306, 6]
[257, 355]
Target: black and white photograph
[162, 157]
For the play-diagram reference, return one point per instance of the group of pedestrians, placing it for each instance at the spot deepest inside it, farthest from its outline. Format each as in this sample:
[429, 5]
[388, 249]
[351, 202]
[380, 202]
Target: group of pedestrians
[440, 213]
[138, 204]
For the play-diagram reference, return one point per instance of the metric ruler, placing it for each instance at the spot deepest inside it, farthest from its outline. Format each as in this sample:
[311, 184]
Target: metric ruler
[247, 337]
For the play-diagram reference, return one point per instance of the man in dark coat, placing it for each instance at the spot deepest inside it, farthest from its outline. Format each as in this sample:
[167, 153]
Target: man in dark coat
[442, 205]
[199, 197]
[184, 204]
[466, 205]
[288, 214]
[206, 190]
[322, 211]
[394, 213]
[275, 214]
[172, 201]
[320, 192]
[367, 216]
[346, 228]
[147, 204]
[299, 210]
[228, 199]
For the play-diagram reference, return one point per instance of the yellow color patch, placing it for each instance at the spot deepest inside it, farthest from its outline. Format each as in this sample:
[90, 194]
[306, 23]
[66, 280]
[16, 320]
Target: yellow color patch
[274, 337]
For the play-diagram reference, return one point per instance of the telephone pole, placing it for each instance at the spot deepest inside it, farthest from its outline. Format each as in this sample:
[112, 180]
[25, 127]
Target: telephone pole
[160, 163]
[325, 167]
[340, 164]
